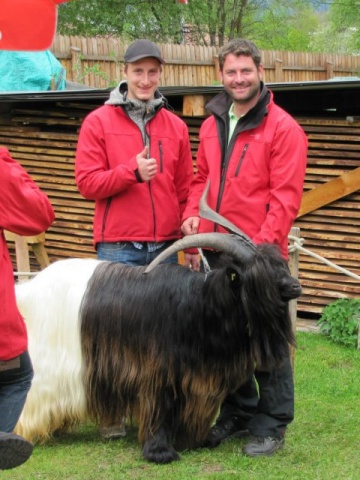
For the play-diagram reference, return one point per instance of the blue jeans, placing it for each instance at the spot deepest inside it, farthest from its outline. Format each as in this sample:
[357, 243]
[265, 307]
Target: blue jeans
[125, 252]
[14, 387]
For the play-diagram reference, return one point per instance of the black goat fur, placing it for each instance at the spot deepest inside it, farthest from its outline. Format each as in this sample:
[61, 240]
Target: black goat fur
[168, 346]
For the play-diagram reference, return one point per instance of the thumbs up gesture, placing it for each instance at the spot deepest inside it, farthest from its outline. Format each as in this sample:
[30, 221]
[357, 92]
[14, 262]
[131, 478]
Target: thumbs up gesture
[147, 167]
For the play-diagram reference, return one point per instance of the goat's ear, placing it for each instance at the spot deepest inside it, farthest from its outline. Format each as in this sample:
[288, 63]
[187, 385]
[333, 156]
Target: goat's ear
[233, 276]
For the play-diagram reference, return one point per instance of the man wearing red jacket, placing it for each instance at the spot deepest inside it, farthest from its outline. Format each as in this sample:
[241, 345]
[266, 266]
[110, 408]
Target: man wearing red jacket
[254, 155]
[134, 160]
[24, 210]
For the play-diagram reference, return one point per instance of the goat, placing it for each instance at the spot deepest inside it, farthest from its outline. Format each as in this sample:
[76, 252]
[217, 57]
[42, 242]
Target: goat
[161, 343]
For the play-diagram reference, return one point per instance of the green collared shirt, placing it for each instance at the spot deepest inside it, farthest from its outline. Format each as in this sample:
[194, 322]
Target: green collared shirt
[233, 119]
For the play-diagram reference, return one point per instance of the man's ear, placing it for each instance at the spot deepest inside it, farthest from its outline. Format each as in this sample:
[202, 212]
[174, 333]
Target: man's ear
[261, 71]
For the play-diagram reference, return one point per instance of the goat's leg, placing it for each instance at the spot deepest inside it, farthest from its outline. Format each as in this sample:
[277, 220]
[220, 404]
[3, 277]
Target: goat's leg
[158, 448]
[158, 418]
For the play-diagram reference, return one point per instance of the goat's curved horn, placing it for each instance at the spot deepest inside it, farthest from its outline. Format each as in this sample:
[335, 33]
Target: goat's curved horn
[209, 214]
[223, 242]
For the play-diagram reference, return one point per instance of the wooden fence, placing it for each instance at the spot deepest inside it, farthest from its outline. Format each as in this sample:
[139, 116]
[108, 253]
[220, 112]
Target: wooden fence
[97, 62]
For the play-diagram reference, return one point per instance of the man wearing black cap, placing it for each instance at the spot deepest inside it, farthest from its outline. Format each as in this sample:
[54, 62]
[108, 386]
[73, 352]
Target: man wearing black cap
[134, 160]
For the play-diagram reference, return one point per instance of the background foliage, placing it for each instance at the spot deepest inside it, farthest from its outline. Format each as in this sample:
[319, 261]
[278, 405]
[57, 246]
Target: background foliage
[292, 25]
[340, 320]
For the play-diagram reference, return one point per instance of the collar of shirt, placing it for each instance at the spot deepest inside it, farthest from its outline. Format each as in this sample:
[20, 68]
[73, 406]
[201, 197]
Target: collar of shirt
[233, 119]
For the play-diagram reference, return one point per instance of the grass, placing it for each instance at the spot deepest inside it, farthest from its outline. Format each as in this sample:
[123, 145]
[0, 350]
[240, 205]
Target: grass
[322, 443]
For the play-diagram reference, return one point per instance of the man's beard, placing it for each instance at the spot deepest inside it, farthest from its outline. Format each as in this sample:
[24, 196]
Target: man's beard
[253, 93]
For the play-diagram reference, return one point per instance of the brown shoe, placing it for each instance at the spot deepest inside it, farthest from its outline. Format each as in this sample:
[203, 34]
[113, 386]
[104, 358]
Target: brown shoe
[14, 450]
[263, 446]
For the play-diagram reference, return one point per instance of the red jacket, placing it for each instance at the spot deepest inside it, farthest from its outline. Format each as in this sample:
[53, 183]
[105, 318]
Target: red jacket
[126, 209]
[24, 210]
[257, 182]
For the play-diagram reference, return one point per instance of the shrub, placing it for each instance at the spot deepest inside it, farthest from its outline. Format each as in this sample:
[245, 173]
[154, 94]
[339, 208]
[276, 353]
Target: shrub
[340, 321]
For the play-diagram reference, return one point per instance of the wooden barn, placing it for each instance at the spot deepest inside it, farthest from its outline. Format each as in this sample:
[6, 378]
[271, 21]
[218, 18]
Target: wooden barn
[40, 129]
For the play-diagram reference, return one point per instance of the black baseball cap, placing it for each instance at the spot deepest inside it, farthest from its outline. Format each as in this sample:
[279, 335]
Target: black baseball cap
[142, 49]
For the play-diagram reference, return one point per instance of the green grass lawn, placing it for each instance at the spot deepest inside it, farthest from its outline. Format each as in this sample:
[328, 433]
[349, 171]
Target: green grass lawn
[323, 442]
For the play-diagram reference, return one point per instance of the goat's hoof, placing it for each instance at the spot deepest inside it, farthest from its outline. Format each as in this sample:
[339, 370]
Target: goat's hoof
[159, 453]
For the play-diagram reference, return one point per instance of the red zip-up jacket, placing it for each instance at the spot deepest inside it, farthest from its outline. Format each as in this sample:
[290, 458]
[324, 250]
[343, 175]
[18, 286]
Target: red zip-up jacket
[126, 209]
[24, 210]
[257, 182]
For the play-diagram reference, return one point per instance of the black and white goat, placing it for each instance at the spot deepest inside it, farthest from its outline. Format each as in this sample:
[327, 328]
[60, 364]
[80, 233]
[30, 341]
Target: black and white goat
[162, 343]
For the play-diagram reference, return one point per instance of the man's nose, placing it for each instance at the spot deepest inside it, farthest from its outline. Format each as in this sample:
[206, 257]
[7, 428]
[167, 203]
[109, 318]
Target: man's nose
[146, 78]
[239, 77]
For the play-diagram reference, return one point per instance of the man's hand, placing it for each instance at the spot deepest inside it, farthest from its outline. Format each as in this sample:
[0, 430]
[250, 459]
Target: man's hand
[147, 167]
[190, 226]
[192, 261]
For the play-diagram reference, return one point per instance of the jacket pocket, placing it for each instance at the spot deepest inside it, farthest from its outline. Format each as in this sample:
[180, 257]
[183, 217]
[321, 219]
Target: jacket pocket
[106, 212]
[160, 156]
[241, 159]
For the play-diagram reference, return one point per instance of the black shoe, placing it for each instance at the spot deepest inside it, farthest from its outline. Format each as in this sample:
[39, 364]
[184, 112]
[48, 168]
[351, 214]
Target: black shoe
[14, 450]
[230, 427]
[263, 446]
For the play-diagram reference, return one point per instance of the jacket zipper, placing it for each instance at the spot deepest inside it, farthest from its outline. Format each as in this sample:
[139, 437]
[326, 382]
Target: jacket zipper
[221, 189]
[161, 155]
[241, 159]
[148, 135]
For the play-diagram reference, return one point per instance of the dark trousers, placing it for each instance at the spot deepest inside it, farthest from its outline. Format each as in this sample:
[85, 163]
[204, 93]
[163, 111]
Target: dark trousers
[14, 386]
[266, 400]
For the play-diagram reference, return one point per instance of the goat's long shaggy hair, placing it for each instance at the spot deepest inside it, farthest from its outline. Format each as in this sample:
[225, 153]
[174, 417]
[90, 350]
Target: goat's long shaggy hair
[50, 305]
[166, 347]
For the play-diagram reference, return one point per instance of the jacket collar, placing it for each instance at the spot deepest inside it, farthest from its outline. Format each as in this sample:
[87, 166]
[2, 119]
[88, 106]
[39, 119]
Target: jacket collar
[220, 105]
[118, 96]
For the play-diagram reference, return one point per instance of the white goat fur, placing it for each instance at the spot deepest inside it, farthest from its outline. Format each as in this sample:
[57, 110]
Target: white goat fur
[56, 399]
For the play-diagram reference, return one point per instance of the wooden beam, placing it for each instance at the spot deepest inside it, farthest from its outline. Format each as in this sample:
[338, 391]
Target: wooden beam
[22, 254]
[37, 243]
[194, 105]
[330, 191]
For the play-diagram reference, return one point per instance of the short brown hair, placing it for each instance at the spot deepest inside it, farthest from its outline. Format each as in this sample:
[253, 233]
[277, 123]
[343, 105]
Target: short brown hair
[239, 46]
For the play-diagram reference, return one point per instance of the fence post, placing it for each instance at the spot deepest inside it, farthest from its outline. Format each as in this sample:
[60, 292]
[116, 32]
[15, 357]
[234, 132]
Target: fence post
[216, 68]
[329, 69]
[75, 64]
[279, 77]
[294, 270]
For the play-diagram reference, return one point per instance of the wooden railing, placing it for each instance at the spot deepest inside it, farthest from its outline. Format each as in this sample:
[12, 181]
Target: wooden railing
[22, 245]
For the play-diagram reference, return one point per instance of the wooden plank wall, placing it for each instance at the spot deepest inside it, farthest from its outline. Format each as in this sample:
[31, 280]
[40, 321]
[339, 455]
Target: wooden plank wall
[97, 62]
[332, 231]
[43, 138]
